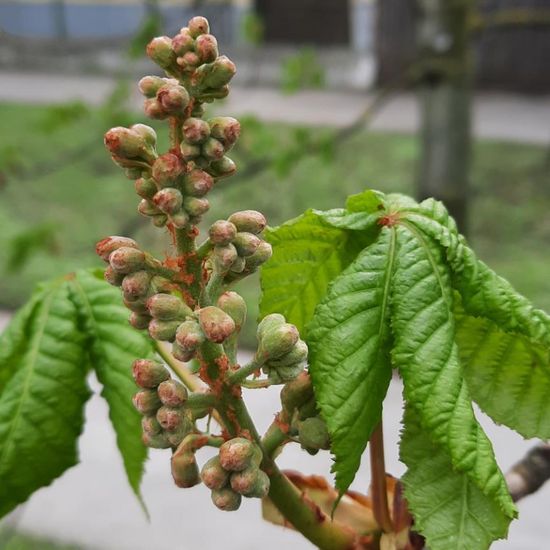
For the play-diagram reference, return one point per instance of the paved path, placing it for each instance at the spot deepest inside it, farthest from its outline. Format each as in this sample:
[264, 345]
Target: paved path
[92, 505]
[498, 116]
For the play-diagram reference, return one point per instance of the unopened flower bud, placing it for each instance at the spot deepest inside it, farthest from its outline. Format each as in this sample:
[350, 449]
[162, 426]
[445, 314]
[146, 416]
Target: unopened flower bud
[222, 232]
[237, 454]
[297, 392]
[167, 168]
[222, 168]
[213, 475]
[155, 441]
[212, 149]
[188, 61]
[268, 323]
[238, 265]
[167, 307]
[246, 243]
[173, 99]
[185, 470]
[164, 331]
[112, 277]
[170, 418]
[149, 374]
[183, 42]
[195, 206]
[127, 260]
[195, 131]
[226, 499]
[250, 482]
[281, 375]
[249, 221]
[136, 305]
[215, 74]
[105, 247]
[216, 324]
[160, 51]
[147, 208]
[122, 142]
[140, 321]
[146, 401]
[146, 132]
[234, 305]
[262, 255]
[180, 219]
[278, 341]
[225, 128]
[189, 152]
[145, 188]
[313, 434]
[206, 47]
[153, 109]
[133, 173]
[189, 335]
[151, 425]
[178, 435]
[136, 284]
[172, 393]
[149, 85]
[169, 200]
[224, 256]
[197, 183]
[296, 356]
[198, 25]
[182, 354]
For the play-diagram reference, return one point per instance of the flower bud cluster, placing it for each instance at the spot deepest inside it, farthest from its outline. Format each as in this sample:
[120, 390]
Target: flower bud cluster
[164, 97]
[235, 473]
[281, 352]
[238, 249]
[161, 401]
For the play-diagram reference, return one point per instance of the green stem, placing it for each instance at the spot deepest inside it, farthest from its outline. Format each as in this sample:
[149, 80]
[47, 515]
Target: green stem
[190, 381]
[256, 384]
[239, 375]
[212, 289]
[273, 438]
[204, 249]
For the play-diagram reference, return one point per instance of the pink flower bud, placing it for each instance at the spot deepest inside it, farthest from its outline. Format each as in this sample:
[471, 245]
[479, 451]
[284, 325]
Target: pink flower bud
[212, 149]
[251, 482]
[126, 259]
[225, 128]
[173, 99]
[246, 243]
[195, 130]
[249, 221]
[172, 393]
[136, 284]
[189, 335]
[198, 25]
[170, 418]
[167, 168]
[237, 454]
[182, 354]
[151, 425]
[206, 47]
[149, 374]
[112, 277]
[147, 208]
[183, 42]
[140, 321]
[146, 401]
[234, 305]
[226, 499]
[197, 183]
[222, 232]
[216, 324]
[213, 475]
[225, 256]
[149, 85]
[153, 109]
[169, 200]
[160, 51]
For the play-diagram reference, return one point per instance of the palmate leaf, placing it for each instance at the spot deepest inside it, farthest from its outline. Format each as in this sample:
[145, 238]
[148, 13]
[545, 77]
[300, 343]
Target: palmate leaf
[112, 345]
[449, 509]
[42, 401]
[349, 354]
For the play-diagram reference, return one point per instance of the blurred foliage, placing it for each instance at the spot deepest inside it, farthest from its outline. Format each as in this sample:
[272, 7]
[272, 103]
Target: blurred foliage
[302, 70]
[86, 197]
[252, 28]
[15, 540]
[149, 28]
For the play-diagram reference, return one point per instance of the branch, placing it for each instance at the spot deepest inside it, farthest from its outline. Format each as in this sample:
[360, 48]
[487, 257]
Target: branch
[530, 473]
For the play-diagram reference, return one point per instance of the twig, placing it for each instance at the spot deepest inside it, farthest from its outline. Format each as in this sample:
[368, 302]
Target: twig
[530, 473]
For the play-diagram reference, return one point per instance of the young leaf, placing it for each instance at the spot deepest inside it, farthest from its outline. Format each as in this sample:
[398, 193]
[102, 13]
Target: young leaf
[427, 356]
[112, 346]
[349, 354]
[448, 508]
[307, 255]
[41, 405]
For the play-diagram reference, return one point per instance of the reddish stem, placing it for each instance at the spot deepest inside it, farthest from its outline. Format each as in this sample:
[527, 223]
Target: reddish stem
[379, 490]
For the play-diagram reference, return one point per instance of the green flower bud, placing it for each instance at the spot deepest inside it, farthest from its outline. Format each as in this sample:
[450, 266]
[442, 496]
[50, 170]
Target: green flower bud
[222, 168]
[146, 132]
[197, 183]
[198, 110]
[262, 255]
[296, 356]
[185, 470]
[137, 305]
[238, 265]
[167, 307]
[226, 499]
[222, 232]
[313, 434]
[198, 25]
[136, 284]
[153, 109]
[297, 392]
[189, 335]
[126, 259]
[278, 341]
[189, 152]
[195, 131]
[149, 85]
[173, 99]
[237, 454]
[145, 188]
[178, 435]
[170, 418]
[133, 173]
[139, 321]
[164, 331]
[246, 243]
[195, 206]
[167, 169]
[155, 441]
[159, 220]
[105, 247]
[160, 51]
[308, 409]
[213, 149]
[224, 257]
[234, 305]
[213, 475]
[172, 393]
[251, 482]
[206, 47]
[214, 75]
[280, 375]
[268, 323]
[149, 374]
[150, 425]
[183, 42]
[227, 129]
[248, 221]
[127, 143]
[216, 325]
[147, 208]
[169, 200]
[112, 277]
[182, 354]
[146, 402]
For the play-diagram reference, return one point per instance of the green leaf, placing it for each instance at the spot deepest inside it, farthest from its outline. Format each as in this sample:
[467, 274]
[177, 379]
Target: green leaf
[448, 508]
[113, 345]
[307, 255]
[349, 354]
[427, 356]
[42, 402]
[368, 201]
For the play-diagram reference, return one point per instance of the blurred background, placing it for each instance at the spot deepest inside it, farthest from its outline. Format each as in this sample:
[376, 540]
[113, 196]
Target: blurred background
[429, 98]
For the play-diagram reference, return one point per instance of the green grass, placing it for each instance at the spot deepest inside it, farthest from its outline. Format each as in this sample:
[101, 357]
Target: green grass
[63, 178]
[15, 540]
